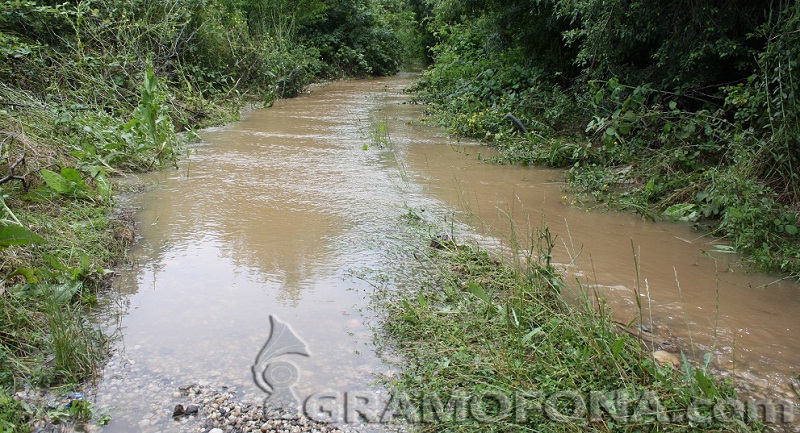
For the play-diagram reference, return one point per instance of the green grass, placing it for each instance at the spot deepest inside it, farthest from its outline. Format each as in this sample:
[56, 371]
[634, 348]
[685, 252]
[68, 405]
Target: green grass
[721, 156]
[46, 339]
[472, 324]
[12, 418]
[91, 90]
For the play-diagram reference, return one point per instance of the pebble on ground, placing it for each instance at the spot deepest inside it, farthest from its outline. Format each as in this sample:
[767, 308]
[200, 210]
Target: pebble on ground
[223, 413]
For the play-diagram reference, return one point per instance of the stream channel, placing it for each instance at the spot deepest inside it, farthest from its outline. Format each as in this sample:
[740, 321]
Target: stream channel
[279, 214]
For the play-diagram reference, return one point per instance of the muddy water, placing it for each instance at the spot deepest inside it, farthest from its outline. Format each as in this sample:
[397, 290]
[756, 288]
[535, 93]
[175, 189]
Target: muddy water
[689, 292]
[279, 214]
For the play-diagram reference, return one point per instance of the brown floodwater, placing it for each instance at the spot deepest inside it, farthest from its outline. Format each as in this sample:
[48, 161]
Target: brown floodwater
[282, 213]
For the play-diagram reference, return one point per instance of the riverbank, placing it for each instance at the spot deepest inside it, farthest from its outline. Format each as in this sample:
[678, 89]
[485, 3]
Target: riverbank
[196, 277]
[218, 256]
[662, 122]
[490, 346]
[99, 89]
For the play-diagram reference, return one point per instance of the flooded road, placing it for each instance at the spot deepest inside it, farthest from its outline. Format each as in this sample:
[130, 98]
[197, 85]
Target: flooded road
[279, 214]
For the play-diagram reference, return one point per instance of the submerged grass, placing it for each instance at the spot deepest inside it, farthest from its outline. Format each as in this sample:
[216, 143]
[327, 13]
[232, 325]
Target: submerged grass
[467, 324]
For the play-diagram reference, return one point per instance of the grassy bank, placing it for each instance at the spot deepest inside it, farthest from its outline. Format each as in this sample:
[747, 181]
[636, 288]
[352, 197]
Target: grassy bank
[490, 346]
[686, 118]
[94, 90]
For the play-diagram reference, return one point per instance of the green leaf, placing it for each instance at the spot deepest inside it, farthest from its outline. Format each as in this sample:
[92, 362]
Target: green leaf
[682, 212]
[734, 212]
[707, 358]
[40, 194]
[74, 177]
[792, 230]
[673, 105]
[617, 347]
[706, 384]
[103, 186]
[56, 181]
[534, 332]
[410, 313]
[29, 274]
[18, 235]
[478, 291]
[64, 292]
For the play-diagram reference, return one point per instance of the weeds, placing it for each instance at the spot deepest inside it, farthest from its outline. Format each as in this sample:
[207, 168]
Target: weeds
[94, 89]
[380, 136]
[711, 145]
[12, 416]
[473, 324]
[78, 348]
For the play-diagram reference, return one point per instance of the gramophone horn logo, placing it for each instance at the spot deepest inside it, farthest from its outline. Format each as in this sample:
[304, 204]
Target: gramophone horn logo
[276, 376]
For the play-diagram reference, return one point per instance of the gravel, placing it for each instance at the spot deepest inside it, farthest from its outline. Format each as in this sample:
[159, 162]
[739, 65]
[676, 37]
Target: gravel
[223, 412]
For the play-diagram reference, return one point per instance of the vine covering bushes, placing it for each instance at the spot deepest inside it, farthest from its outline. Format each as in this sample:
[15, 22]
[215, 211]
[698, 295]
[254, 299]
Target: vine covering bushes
[684, 109]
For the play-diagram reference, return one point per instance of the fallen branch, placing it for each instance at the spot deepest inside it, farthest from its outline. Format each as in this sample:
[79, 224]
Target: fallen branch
[11, 176]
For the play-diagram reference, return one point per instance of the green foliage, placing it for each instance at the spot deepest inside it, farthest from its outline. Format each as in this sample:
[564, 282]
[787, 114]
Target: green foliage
[12, 416]
[355, 37]
[289, 68]
[528, 26]
[693, 117]
[78, 348]
[701, 43]
[472, 324]
[12, 233]
[778, 102]
[280, 19]
[150, 129]
[69, 183]
[90, 89]
[473, 87]
[17, 235]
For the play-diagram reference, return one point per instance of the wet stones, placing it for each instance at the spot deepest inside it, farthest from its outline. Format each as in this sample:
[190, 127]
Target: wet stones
[222, 412]
[664, 357]
[189, 410]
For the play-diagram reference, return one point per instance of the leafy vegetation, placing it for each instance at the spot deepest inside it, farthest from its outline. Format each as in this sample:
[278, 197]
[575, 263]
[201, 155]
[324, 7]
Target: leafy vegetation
[91, 89]
[683, 110]
[693, 117]
[467, 324]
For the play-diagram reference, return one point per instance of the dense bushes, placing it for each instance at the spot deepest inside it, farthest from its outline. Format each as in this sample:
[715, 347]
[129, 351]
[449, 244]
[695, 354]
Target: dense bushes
[686, 109]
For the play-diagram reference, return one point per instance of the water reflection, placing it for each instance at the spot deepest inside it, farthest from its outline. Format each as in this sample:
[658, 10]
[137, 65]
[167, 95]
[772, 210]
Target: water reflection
[273, 215]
